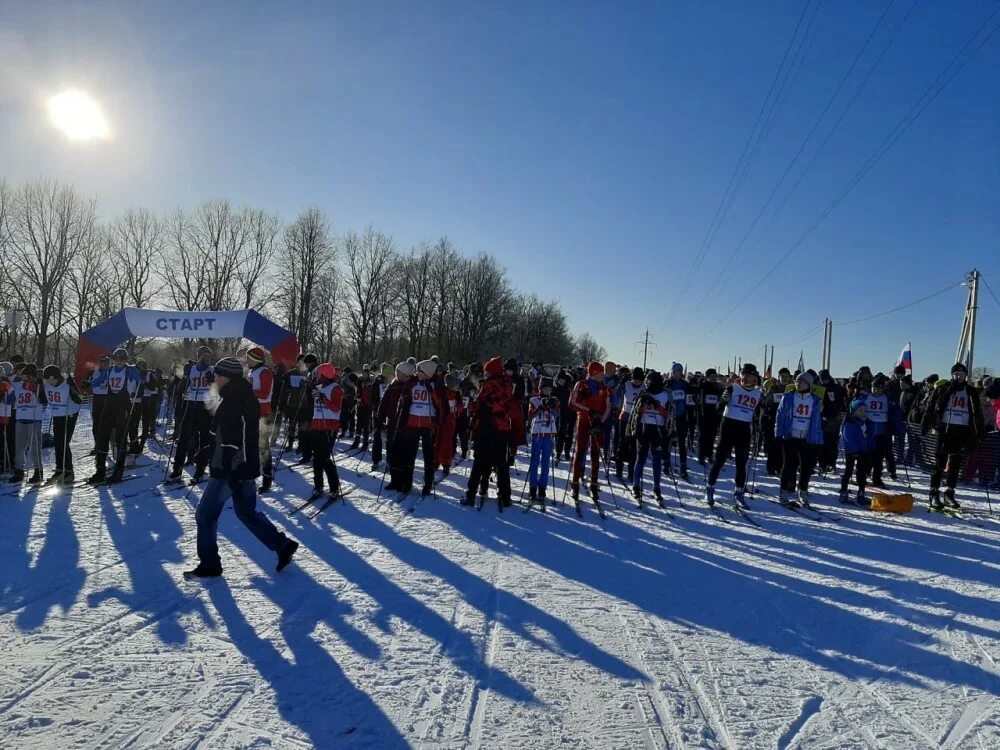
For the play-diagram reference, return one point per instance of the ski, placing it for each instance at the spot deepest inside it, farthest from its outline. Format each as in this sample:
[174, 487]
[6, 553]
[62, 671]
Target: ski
[718, 514]
[746, 516]
[302, 506]
[805, 511]
[330, 500]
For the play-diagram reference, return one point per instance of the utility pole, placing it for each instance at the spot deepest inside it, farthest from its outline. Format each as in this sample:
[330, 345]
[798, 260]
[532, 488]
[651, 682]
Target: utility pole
[646, 343]
[967, 338]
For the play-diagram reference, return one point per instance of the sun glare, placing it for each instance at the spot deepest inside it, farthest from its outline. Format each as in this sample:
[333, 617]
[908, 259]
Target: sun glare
[78, 116]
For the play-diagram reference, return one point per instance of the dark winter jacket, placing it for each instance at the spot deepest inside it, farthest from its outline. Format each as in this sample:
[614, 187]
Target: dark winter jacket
[857, 436]
[389, 405]
[709, 389]
[934, 417]
[235, 431]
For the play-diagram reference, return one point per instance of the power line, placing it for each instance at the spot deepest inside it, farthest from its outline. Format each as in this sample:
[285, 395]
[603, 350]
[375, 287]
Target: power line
[802, 146]
[646, 343]
[988, 289]
[938, 293]
[811, 332]
[727, 195]
[924, 101]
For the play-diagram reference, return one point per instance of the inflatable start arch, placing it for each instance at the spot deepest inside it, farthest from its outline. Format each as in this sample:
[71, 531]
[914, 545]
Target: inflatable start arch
[248, 324]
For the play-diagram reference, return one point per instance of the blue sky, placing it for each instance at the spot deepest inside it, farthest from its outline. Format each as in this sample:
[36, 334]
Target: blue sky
[587, 145]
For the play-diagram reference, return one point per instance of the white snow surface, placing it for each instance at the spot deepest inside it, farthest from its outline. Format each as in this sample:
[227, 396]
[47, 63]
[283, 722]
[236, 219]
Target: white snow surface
[452, 628]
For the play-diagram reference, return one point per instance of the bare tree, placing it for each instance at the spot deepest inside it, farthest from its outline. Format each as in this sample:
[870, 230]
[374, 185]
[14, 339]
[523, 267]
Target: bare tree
[414, 278]
[370, 257]
[309, 252]
[588, 350]
[136, 245]
[47, 225]
[261, 248]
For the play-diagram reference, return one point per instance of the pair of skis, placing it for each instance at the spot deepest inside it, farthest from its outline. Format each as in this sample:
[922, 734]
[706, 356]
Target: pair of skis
[328, 498]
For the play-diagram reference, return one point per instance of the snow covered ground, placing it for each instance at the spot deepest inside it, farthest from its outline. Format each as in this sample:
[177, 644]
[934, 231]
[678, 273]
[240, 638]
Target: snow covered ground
[451, 628]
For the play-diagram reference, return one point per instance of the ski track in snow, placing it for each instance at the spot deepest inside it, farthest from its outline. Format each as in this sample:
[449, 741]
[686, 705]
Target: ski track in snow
[452, 628]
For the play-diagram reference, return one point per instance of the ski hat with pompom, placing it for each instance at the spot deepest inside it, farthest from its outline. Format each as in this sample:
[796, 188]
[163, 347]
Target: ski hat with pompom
[256, 354]
[387, 371]
[493, 367]
[427, 368]
[405, 369]
[805, 377]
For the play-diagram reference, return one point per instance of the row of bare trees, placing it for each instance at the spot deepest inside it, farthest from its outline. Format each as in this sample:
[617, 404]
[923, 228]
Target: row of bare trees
[351, 297]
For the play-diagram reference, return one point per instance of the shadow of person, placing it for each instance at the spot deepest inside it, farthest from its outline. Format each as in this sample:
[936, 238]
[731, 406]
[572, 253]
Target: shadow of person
[56, 567]
[311, 691]
[145, 538]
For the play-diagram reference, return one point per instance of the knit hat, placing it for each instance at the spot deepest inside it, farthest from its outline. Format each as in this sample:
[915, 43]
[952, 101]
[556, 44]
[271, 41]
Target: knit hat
[140, 360]
[405, 369]
[594, 369]
[992, 390]
[52, 371]
[750, 369]
[119, 353]
[879, 381]
[637, 373]
[494, 367]
[857, 404]
[959, 367]
[784, 371]
[387, 371]
[230, 367]
[203, 350]
[325, 371]
[610, 367]
[710, 372]
[824, 374]
[806, 377]
[545, 382]
[427, 367]
[256, 354]
[452, 382]
[676, 367]
[29, 370]
[310, 359]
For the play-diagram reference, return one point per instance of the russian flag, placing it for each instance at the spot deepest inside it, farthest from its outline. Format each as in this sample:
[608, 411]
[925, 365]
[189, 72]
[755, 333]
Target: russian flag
[906, 358]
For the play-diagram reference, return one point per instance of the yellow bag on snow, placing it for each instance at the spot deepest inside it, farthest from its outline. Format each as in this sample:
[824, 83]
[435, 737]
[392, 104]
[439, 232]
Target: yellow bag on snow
[883, 502]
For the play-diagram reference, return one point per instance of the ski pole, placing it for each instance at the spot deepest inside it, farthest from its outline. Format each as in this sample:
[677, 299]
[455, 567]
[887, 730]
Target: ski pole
[572, 467]
[611, 488]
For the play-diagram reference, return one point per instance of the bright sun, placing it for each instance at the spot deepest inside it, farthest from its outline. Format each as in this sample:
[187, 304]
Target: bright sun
[78, 116]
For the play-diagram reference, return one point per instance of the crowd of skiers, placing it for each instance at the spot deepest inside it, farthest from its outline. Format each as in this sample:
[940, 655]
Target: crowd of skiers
[614, 418]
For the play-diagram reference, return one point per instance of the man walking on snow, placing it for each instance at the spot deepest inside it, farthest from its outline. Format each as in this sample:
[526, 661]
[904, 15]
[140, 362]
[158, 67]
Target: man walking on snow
[235, 466]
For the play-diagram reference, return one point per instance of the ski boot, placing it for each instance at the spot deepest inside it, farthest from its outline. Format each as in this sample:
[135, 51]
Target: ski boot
[17, 477]
[950, 501]
[710, 495]
[316, 494]
[199, 474]
[505, 502]
[804, 498]
[575, 491]
[785, 498]
[619, 471]
[878, 484]
[595, 492]
[426, 490]
[739, 499]
[117, 475]
[375, 467]
[55, 479]
[684, 474]
[637, 494]
[659, 496]
[98, 477]
[934, 503]
[36, 477]
[862, 501]
[541, 499]
[845, 497]
[355, 445]
[175, 475]
[66, 479]
[532, 495]
[265, 483]
[469, 499]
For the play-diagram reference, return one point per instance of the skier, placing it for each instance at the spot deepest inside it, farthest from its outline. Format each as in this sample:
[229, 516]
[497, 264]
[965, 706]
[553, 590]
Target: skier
[883, 418]
[29, 400]
[858, 447]
[64, 401]
[834, 407]
[567, 417]
[6, 414]
[261, 379]
[613, 383]
[741, 410]
[305, 408]
[378, 389]
[291, 402]
[693, 406]
[493, 415]
[649, 426]
[98, 382]
[773, 392]
[327, 399]
[135, 444]
[365, 402]
[195, 419]
[151, 384]
[387, 411]
[419, 416]
[625, 451]
[543, 411]
[234, 471]
[444, 441]
[956, 415]
[591, 401]
[678, 388]
[709, 393]
[799, 427]
[123, 384]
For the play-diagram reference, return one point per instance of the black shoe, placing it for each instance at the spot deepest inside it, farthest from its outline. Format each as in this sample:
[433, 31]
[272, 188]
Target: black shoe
[950, 501]
[202, 572]
[637, 493]
[532, 494]
[684, 474]
[36, 478]
[878, 484]
[116, 477]
[575, 491]
[355, 445]
[285, 554]
[425, 490]
[97, 477]
[199, 474]
[175, 475]
[53, 480]
[468, 500]
[266, 483]
[392, 487]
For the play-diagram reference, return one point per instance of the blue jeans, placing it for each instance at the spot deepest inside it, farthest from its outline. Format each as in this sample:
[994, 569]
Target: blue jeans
[245, 504]
[541, 455]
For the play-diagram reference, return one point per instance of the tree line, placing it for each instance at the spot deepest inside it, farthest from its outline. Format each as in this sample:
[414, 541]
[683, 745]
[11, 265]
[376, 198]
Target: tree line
[349, 296]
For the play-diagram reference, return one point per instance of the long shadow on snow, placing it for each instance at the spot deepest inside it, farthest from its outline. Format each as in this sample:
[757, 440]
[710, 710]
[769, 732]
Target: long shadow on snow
[146, 538]
[17, 515]
[728, 595]
[312, 691]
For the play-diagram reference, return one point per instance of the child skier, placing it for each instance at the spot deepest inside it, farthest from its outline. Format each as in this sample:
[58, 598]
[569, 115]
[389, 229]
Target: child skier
[543, 411]
[858, 448]
[650, 426]
[328, 399]
[444, 441]
[799, 427]
[632, 391]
